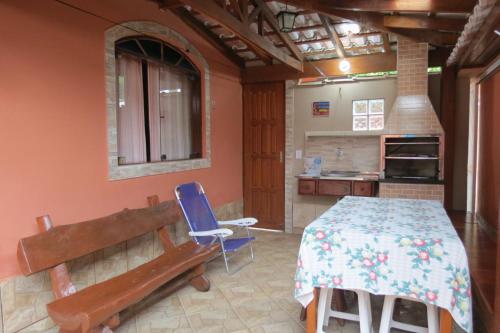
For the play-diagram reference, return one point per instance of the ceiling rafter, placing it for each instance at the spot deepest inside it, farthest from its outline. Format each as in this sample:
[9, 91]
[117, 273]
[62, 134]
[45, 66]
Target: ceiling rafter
[273, 23]
[376, 20]
[333, 36]
[212, 38]
[243, 31]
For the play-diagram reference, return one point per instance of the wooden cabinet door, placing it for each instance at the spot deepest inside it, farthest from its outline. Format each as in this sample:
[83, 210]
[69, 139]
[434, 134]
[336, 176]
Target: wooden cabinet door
[364, 189]
[334, 187]
[263, 150]
[307, 186]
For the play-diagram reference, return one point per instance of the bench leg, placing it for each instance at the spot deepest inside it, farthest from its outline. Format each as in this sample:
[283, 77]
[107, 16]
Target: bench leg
[201, 283]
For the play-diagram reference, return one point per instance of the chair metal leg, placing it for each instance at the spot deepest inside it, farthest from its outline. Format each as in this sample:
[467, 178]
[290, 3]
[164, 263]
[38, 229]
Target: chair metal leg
[225, 261]
[251, 251]
[250, 245]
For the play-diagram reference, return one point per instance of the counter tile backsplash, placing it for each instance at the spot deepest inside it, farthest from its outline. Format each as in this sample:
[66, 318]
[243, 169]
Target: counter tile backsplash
[360, 153]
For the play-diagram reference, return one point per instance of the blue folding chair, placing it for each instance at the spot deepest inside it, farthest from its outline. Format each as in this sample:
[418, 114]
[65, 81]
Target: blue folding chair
[205, 229]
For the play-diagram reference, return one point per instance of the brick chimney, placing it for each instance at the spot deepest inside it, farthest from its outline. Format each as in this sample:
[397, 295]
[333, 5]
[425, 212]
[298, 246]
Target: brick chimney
[412, 112]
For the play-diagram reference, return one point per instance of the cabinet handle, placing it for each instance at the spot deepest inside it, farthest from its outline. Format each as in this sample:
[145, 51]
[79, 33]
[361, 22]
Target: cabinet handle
[281, 157]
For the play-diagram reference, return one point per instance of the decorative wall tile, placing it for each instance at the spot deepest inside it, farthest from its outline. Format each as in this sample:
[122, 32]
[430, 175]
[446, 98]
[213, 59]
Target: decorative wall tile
[140, 250]
[1, 313]
[412, 191]
[111, 262]
[82, 271]
[24, 299]
[289, 153]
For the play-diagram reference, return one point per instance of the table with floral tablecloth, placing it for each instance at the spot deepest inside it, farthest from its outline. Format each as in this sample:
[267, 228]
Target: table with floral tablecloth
[387, 246]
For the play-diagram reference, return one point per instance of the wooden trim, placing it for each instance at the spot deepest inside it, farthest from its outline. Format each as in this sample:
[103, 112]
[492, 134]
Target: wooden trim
[360, 64]
[448, 107]
[432, 23]
[455, 6]
[248, 36]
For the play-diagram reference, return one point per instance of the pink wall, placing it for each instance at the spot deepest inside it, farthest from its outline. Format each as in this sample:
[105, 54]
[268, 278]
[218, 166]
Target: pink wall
[53, 150]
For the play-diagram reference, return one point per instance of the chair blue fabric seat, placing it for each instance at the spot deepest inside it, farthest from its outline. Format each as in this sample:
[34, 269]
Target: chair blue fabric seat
[205, 229]
[231, 245]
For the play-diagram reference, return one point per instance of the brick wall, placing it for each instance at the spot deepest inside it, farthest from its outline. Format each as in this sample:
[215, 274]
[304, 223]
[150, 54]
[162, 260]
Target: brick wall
[412, 67]
[412, 112]
[412, 191]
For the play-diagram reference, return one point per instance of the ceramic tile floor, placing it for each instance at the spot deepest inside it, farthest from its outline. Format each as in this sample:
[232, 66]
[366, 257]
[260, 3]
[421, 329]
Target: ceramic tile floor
[256, 299]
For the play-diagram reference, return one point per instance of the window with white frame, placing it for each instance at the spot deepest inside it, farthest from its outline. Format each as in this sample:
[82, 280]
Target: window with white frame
[368, 115]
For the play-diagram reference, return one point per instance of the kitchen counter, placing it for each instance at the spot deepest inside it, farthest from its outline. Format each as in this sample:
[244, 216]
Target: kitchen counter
[339, 184]
[362, 176]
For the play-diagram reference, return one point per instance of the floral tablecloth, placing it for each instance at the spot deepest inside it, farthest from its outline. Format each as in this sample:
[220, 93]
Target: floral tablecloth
[387, 247]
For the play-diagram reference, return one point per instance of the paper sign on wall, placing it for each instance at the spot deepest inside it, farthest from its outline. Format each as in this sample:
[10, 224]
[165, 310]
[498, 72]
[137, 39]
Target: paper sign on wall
[321, 109]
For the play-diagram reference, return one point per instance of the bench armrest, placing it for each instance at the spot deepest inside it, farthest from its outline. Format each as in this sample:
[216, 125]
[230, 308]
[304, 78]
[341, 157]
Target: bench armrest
[214, 233]
[244, 222]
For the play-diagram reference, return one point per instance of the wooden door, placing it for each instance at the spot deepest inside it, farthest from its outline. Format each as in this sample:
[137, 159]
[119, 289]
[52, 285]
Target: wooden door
[263, 149]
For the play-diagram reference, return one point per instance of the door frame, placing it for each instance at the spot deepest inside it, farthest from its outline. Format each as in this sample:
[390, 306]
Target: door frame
[286, 225]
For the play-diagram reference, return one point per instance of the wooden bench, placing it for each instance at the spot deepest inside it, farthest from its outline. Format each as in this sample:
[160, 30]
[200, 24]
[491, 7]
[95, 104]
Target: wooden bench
[98, 308]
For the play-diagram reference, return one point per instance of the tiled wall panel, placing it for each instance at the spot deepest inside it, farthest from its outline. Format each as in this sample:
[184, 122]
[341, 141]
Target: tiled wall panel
[412, 191]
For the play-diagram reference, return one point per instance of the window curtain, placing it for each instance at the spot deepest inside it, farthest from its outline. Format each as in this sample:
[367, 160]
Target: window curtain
[175, 109]
[154, 111]
[131, 131]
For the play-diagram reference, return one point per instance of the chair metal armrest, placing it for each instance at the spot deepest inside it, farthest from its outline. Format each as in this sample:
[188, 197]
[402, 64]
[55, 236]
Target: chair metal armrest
[244, 222]
[224, 232]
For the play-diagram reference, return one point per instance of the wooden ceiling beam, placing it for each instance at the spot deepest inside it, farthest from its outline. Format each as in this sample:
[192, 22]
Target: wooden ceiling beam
[426, 6]
[208, 35]
[273, 23]
[387, 44]
[169, 4]
[333, 36]
[236, 9]
[486, 46]
[243, 31]
[431, 23]
[360, 64]
[376, 20]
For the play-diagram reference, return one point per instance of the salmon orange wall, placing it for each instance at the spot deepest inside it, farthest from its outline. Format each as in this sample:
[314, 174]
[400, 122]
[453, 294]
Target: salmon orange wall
[53, 148]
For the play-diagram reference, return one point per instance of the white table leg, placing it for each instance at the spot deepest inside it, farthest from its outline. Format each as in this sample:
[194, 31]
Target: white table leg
[322, 306]
[364, 304]
[386, 321]
[432, 318]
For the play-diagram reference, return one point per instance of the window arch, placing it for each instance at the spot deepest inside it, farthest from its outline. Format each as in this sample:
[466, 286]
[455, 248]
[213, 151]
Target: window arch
[158, 86]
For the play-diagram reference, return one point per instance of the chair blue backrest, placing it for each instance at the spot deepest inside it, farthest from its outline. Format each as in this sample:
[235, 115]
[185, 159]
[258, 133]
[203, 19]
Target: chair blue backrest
[197, 210]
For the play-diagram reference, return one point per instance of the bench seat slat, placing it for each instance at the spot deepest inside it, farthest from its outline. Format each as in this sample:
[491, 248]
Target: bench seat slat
[93, 305]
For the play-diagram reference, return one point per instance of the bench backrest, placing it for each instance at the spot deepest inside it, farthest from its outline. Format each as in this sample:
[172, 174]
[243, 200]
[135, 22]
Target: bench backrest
[67, 242]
